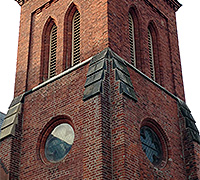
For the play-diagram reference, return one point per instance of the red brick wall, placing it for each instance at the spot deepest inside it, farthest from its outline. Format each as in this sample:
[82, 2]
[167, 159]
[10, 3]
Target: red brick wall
[160, 107]
[107, 130]
[58, 98]
[99, 29]
[107, 127]
[5, 152]
[10, 150]
[34, 15]
[163, 17]
[85, 160]
[197, 160]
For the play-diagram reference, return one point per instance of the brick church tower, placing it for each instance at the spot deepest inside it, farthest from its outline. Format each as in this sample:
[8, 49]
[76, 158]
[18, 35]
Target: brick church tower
[99, 94]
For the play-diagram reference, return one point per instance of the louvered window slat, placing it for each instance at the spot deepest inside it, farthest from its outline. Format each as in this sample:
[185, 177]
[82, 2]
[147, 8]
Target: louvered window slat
[76, 39]
[132, 40]
[151, 56]
[52, 52]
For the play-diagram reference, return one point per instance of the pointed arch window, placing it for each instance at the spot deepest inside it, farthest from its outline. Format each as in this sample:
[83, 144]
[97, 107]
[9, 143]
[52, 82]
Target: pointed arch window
[151, 55]
[132, 40]
[52, 52]
[48, 51]
[76, 38]
[71, 37]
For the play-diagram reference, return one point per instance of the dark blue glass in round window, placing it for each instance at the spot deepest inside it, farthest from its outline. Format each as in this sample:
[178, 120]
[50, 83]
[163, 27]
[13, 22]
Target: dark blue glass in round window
[151, 145]
[59, 142]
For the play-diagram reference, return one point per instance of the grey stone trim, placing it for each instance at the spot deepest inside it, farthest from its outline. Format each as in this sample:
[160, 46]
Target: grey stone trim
[128, 91]
[152, 81]
[92, 90]
[17, 100]
[14, 109]
[8, 131]
[2, 116]
[126, 87]
[95, 75]
[121, 66]
[11, 119]
[93, 86]
[122, 75]
[100, 56]
[189, 121]
[58, 76]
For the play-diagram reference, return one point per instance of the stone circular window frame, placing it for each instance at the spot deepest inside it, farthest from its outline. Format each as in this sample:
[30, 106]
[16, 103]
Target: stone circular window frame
[152, 124]
[49, 127]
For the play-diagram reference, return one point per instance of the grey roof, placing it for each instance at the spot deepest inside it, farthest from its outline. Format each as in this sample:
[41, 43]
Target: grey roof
[2, 116]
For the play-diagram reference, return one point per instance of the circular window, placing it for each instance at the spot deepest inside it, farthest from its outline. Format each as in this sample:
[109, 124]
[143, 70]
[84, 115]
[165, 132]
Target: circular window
[151, 145]
[59, 142]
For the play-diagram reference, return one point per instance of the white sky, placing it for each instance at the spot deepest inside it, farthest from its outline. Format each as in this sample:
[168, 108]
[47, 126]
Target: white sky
[188, 22]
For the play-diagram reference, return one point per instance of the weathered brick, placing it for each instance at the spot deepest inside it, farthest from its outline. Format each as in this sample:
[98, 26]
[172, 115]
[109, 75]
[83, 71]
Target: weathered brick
[107, 126]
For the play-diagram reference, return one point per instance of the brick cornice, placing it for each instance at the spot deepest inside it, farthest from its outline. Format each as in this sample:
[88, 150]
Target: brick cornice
[20, 2]
[174, 4]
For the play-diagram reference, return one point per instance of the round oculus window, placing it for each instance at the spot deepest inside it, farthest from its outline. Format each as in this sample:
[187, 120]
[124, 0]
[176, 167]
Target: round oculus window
[151, 145]
[59, 142]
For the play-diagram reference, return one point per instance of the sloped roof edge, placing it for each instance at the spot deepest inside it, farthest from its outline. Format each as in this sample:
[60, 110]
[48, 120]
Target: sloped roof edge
[174, 4]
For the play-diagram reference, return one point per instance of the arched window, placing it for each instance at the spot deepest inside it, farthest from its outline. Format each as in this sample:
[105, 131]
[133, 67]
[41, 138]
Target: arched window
[49, 46]
[151, 55]
[75, 39]
[71, 37]
[153, 47]
[132, 39]
[52, 52]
